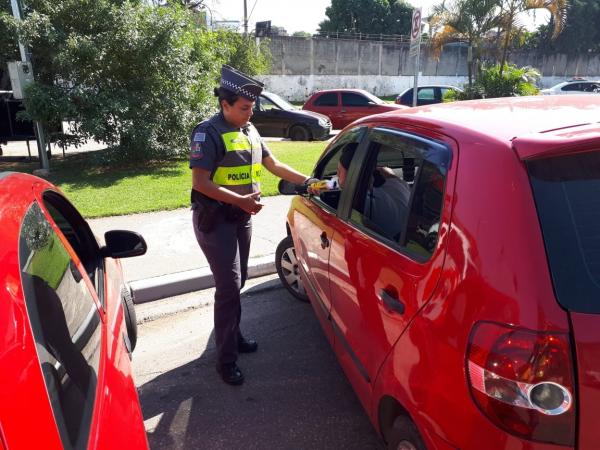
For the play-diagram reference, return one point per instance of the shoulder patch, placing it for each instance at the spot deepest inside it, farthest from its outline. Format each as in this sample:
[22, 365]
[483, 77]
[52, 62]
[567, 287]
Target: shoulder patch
[199, 137]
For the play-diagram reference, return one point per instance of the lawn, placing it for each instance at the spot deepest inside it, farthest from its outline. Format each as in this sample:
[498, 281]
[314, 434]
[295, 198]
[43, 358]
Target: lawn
[99, 191]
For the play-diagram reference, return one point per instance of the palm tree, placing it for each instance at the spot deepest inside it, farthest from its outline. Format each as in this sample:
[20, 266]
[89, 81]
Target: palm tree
[464, 20]
[510, 23]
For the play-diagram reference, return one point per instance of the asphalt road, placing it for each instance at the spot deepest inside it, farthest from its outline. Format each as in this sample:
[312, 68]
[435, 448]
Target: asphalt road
[295, 395]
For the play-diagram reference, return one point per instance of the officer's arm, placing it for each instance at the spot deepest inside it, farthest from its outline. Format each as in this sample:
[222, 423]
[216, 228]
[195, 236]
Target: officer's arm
[202, 183]
[284, 171]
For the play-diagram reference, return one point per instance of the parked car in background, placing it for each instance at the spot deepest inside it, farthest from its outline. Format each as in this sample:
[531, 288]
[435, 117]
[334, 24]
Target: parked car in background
[67, 326]
[573, 86]
[344, 106]
[456, 274]
[426, 95]
[275, 117]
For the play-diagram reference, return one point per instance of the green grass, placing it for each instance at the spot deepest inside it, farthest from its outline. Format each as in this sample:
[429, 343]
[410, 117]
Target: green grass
[47, 266]
[99, 191]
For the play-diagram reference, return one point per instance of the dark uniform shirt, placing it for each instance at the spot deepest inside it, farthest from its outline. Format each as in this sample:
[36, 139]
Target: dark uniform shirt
[207, 148]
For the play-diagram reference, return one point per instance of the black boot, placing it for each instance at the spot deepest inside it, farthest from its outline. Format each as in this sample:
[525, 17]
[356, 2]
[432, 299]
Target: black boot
[247, 345]
[231, 373]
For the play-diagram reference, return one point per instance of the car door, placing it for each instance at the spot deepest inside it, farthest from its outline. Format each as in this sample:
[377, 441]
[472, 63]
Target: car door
[387, 253]
[267, 118]
[428, 95]
[313, 219]
[355, 106]
[328, 103]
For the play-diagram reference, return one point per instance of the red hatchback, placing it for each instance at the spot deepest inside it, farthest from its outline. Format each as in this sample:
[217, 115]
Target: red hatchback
[67, 326]
[457, 272]
[344, 106]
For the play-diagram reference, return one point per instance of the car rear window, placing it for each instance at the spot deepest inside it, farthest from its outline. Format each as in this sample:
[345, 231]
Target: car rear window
[66, 326]
[567, 196]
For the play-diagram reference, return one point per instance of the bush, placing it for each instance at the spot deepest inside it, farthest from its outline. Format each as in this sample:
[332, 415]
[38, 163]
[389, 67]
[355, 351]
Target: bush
[492, 83]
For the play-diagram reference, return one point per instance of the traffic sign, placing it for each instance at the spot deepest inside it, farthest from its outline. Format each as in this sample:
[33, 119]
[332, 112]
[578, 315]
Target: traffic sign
[415, 32]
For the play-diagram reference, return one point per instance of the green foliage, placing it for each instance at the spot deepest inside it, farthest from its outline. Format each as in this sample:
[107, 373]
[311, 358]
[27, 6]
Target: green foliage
[581, 33]
[134, 76]
[9, 50]
[304, 34]
[368, 16]
[492, 82]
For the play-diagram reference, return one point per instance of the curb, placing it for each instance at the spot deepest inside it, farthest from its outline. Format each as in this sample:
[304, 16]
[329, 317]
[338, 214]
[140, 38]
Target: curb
[178, 283]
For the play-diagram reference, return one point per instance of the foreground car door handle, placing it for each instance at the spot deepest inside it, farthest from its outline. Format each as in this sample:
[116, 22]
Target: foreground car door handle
[324, 240]
[393, 303]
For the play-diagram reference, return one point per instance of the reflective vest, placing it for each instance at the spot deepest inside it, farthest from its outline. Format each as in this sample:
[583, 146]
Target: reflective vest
[240, 168]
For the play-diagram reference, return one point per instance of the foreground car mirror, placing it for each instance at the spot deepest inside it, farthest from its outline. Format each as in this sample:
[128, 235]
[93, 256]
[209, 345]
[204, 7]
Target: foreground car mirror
[123, 244]
[287, 188]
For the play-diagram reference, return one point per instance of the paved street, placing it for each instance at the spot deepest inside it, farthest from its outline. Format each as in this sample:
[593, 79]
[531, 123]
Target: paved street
[295, 395]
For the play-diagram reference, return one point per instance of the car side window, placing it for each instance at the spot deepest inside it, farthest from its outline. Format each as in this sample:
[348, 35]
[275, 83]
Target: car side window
[265, 104]
[399, 197]
[351, 99]
[572, 87]
[78, 233]
[332, 167]
[65, 322]
[426, 94]
[328, 99]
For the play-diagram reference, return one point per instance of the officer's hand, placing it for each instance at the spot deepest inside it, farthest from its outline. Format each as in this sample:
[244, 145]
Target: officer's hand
[249, 204]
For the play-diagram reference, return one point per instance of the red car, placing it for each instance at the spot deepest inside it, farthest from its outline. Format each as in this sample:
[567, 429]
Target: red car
[67, 326]
[344, 106]
[457, 272]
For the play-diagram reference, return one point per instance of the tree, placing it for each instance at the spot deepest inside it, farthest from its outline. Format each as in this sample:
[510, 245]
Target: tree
[464, 20]
[367, 16]
[9, 50]
[132, 75]
[303, 34]
[511, 26]
[581, 33]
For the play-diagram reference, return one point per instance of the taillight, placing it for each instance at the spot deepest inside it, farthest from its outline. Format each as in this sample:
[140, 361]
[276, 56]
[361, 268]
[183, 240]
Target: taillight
[523, 381]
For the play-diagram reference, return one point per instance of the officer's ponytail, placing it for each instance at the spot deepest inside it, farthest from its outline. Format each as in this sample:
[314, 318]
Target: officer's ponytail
[224, 94]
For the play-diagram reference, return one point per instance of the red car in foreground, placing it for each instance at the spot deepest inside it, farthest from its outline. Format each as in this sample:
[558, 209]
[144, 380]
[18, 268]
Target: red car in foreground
[457, 272]
[344, 106]
[67, 326]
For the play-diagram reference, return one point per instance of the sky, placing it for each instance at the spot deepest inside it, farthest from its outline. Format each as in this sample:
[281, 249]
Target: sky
[298, 15]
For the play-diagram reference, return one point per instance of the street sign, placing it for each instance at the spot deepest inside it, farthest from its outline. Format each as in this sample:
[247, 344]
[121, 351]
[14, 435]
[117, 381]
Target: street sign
[415, 32]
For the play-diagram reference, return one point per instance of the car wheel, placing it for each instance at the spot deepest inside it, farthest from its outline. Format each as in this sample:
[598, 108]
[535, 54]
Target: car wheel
[404, 435]
[130, 317]
[299, 133]
[287, 269]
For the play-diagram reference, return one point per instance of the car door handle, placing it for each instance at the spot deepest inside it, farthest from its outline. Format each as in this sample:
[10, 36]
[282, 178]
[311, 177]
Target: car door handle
[324, 240]
[393, 303]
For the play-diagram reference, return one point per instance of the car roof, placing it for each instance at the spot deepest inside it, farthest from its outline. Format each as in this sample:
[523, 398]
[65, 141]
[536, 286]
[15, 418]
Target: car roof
[502, 118]
[360, 91]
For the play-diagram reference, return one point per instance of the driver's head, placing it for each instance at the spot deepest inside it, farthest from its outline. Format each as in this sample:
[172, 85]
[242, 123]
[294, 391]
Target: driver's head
[344, 162]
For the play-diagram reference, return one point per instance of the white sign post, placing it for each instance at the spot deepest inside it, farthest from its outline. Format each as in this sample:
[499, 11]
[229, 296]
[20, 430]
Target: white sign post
[415, 48]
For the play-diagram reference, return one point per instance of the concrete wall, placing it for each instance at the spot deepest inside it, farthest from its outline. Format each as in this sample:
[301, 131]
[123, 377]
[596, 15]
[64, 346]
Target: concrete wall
[303, 65]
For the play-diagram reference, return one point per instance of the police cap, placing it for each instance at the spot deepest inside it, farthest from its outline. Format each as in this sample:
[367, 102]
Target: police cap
[239, 83]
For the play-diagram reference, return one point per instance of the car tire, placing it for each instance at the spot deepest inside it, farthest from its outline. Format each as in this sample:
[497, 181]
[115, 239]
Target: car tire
[287, 269]
[404, 435]
[130, 316]
[299, 133]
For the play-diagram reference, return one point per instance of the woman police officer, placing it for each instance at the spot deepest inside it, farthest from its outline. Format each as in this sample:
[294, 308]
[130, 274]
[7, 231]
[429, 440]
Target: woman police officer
[226, 158]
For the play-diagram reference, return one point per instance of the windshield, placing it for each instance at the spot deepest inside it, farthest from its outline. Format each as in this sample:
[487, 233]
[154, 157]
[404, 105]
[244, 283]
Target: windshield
[277, 100]
[373, 98]
[567, 197]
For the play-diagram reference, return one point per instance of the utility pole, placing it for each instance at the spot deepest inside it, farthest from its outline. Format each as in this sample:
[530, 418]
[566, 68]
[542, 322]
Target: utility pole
[39, 130]
[245, 19]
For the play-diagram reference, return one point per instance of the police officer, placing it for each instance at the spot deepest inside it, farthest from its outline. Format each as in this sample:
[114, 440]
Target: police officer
[226, 158]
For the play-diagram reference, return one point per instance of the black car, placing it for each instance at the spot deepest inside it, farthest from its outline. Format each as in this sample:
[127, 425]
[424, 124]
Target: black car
[275, 117]
[426, 95]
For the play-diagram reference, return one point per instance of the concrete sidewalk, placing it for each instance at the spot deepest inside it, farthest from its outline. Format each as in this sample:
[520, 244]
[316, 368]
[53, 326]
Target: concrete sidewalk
[174, 263]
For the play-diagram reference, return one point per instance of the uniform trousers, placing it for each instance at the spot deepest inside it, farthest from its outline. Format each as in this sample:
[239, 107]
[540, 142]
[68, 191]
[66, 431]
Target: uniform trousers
[227, 247]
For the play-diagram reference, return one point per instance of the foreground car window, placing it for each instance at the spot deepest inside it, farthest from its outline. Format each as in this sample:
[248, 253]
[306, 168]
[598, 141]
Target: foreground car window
[567, 196]
[66, 326]
[400, 196]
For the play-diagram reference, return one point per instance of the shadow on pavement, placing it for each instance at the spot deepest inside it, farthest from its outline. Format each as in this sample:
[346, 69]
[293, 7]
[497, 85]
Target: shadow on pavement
[295, 395]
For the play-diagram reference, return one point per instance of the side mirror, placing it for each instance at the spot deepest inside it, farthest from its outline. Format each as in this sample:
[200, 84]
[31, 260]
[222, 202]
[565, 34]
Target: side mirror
[287, 188]
[123, 244]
